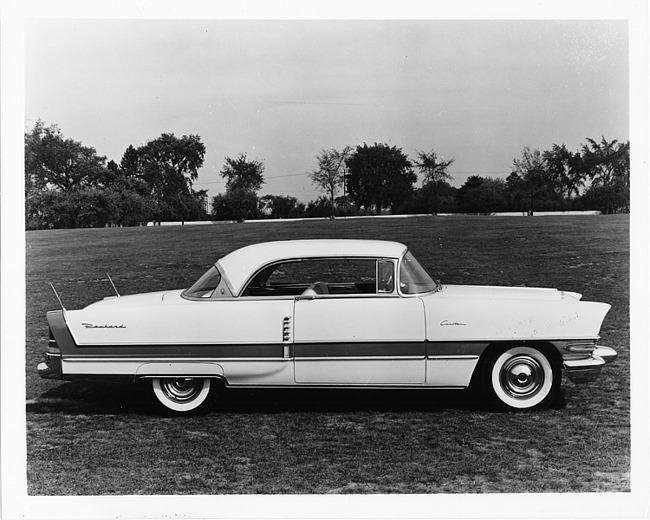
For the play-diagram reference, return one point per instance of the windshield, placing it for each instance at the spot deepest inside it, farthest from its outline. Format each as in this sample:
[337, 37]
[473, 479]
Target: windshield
[413, 278]
[205, 285]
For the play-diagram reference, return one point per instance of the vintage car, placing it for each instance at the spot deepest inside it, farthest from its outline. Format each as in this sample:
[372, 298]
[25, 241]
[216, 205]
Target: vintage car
[331, 313]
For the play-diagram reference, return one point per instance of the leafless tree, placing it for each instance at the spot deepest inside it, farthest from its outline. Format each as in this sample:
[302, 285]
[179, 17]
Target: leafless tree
[330, 174]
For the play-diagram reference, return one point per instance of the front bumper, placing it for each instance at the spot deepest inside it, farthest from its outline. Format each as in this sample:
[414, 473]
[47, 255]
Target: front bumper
[588, 369]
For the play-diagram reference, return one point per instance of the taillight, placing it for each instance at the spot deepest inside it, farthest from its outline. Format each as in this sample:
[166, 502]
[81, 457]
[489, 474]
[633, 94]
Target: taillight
[52, 346]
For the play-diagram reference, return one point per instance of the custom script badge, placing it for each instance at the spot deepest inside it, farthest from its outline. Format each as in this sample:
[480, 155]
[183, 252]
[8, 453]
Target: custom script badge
[447, 323]
[92, 326]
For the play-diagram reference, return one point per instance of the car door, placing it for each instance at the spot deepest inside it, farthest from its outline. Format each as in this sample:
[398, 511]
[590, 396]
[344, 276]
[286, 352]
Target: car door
[360, 339]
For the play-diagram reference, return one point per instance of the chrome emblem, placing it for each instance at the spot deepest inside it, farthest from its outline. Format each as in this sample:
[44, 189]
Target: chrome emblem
[91, 326]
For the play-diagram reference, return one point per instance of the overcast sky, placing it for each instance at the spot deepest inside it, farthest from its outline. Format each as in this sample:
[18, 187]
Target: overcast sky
[281, 91]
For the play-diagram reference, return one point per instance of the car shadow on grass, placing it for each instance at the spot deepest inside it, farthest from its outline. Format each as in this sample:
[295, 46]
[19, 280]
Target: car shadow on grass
[109, 399]
[353, 400]
[82, 398]
[342, 400]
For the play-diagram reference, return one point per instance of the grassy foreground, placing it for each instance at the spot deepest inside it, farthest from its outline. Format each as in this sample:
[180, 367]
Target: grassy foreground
[93, 439]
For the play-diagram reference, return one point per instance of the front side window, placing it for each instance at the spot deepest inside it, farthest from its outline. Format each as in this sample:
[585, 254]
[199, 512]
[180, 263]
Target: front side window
[413, 278]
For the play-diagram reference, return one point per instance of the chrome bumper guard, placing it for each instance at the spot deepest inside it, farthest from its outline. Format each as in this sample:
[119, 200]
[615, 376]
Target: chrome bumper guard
[588, 369]
[51, 368]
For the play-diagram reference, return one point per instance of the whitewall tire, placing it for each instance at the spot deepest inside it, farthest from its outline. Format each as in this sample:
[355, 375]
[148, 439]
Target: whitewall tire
[184, 395]
[521, 378]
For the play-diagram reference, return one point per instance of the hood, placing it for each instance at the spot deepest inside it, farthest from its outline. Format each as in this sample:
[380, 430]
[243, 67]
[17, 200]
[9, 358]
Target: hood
[483, 292]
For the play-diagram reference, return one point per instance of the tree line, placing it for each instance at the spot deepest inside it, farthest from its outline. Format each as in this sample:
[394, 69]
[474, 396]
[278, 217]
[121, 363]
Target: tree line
[69, 185]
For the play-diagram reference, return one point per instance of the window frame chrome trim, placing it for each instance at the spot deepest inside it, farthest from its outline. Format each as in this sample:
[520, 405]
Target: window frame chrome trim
[317, 258]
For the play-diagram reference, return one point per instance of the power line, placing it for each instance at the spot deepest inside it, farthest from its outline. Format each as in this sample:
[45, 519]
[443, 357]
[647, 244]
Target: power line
[210, 182]
[265, 178]
[298, 174]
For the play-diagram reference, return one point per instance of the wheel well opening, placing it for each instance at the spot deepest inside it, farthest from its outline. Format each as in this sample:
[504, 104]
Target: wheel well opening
[545, 347]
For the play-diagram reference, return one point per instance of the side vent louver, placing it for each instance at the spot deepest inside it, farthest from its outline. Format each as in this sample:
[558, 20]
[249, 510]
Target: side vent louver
[286, 337]
[286, 329]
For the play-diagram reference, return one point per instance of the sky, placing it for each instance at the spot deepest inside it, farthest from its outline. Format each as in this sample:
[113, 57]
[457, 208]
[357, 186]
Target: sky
[280, 91]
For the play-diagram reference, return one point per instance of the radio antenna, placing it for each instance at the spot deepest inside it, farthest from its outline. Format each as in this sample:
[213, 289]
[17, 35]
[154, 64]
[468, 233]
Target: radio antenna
[110, 280]
[57, 297]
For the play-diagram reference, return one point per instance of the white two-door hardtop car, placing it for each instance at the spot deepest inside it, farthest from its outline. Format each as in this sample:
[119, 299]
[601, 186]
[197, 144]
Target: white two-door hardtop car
[331, 313]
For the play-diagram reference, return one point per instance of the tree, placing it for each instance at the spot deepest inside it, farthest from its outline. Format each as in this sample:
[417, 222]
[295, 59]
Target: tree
[52, 161]
[379, 176]
[242, 174]
[236, 204]
[482, 195]
[132, 163]
[344, 207]
[422, 199]
[566, 169]
[86, 207]
[243, 179]
[608, 167]
[607, 162]
[331, 172]
[434, 172]
[280, 206]
[318, 208]
[131, 207]
[182, 206]
[168, 166]
[531, 168]
[467, 194]
[515, 192]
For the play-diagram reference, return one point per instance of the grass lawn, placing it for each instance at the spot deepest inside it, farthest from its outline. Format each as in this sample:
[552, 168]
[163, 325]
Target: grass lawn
[97, 439]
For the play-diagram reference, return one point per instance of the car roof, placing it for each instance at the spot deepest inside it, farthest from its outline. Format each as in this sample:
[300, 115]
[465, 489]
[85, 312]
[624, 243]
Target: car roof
[241, 264]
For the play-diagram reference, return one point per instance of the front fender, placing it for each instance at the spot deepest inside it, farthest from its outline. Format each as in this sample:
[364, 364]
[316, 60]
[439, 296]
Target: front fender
[466, 319]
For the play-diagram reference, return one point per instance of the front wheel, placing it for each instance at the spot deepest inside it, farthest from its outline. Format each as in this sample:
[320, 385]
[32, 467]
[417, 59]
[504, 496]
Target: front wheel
[184, 395]
[521, 378]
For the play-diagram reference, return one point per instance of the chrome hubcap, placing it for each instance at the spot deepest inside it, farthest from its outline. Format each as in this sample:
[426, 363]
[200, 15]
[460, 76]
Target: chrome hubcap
[181, 390]
[522, 377]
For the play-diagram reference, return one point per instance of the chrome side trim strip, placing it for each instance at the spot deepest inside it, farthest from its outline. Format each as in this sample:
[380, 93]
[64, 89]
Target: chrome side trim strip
[102, 359]
[358, 358]
[437, 358]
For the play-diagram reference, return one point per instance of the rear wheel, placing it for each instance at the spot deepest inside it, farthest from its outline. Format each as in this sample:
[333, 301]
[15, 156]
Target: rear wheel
[184, 395]
[521, 378]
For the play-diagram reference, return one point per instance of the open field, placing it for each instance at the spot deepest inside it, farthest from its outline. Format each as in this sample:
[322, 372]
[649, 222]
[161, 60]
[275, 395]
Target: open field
[91, 439]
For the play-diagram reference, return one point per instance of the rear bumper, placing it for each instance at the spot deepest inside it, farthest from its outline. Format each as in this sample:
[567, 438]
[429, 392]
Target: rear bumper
[51, 367]
[588, 369]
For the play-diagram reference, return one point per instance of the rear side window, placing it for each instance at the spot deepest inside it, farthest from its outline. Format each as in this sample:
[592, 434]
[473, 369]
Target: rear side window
[205, 286]
[331, 271]
[338, 276]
